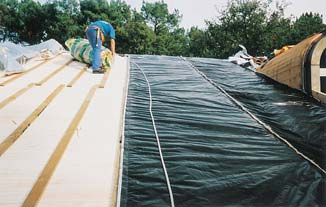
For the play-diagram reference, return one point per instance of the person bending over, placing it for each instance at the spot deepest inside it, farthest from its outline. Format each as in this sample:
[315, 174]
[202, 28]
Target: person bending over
[95, 34]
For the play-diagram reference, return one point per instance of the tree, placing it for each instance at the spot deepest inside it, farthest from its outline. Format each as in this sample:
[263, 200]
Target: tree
[119, 13]
[158, 17]
[277, 32]
[10, 19]
[305, 25]
[31, 16]
[242, 22]
[135, 38]
[91, 10]
[168, 36]
[178, 43]
[198, 44]
[155, 30]
[61, 22]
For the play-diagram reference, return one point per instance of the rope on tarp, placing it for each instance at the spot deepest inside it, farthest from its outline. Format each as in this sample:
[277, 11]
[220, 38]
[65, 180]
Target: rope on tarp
[157, 137]
[268, 128]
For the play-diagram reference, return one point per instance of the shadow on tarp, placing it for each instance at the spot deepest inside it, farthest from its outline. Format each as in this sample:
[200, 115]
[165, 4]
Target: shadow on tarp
[216, 154]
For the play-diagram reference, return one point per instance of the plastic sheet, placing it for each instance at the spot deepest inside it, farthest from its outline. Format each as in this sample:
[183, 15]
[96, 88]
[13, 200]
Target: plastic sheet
[293, 115]
[3, 58]
[51, 45]
[15, 54]
[215, 154]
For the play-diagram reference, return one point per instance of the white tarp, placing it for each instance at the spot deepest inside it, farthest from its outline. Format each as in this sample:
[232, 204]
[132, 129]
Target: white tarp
[12, 56]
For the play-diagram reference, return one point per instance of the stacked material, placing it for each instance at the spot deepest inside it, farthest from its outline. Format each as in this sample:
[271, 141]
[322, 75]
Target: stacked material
[83, 52]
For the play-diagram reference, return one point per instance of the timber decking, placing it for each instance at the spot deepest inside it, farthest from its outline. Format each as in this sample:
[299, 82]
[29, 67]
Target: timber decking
[60, 146]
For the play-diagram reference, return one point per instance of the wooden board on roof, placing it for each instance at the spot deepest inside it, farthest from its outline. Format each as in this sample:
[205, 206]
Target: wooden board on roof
[94, 138]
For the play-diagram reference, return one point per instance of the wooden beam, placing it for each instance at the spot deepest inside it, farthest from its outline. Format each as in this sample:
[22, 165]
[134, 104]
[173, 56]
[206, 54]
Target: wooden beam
[11, 139]
[76, 78]
[15, 95]
[44, 178]
[54, 73]
[105, 78]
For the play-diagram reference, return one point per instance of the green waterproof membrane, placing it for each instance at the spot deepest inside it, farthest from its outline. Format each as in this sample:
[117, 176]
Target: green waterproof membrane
[215, 153]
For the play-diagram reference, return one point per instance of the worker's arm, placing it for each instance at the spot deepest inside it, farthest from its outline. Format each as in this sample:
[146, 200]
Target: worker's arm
[112, 41]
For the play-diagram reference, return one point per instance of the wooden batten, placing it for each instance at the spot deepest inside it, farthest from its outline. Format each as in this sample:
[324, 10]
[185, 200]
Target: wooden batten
[290, 68]
[58, 145]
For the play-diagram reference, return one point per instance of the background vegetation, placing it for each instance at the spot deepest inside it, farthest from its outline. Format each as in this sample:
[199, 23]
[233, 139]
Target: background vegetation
[155, 30]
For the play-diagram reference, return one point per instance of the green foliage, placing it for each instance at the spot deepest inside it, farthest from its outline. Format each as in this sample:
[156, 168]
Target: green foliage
[178, 43]
[119, 13]
[10, 18]
[250, 23]
[135, 38]
[169, 38]
[31, 16]
[61, 20]
[158, 17]
[305, 25]
[199, 46]
[277, 33]
[241, 23]
[93, 10]
[255, 24]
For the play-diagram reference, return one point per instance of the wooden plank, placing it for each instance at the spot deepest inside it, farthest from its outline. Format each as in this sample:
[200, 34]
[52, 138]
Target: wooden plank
[40, 185]
[87, 172]
[27, 71]
[76, 78]
[105, 78]
[54, 72]
[15, 95]
[93, 168]
[24, 161]
[11, 139]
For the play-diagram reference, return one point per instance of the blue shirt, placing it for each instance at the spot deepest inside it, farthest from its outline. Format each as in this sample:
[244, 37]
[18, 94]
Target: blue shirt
[106, 28]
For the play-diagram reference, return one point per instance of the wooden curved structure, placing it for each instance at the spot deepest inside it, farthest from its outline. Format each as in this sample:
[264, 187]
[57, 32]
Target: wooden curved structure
[303, 67]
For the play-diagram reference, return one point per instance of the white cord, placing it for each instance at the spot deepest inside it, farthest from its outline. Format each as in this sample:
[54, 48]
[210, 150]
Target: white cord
[268, 128]
[157, 138]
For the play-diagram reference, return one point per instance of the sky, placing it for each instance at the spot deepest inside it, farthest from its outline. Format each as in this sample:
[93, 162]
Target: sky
[196, 11]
